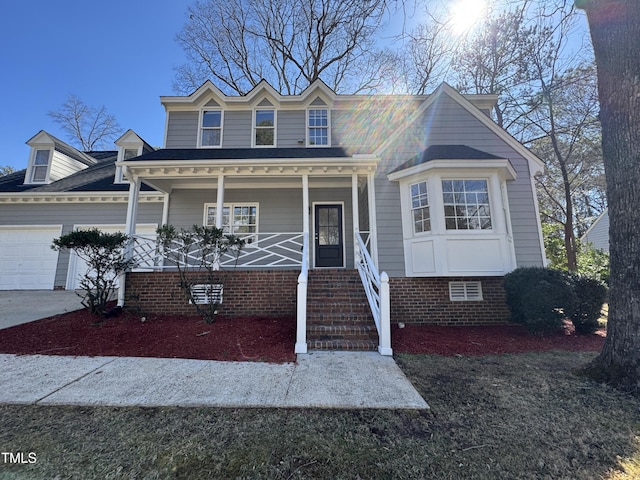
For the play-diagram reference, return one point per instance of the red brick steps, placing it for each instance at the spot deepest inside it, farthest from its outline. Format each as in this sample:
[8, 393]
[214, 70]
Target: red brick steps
[338, 315]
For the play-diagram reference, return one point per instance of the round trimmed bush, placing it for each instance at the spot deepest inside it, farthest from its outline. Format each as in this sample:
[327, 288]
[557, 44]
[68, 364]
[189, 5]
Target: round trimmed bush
[539, 298]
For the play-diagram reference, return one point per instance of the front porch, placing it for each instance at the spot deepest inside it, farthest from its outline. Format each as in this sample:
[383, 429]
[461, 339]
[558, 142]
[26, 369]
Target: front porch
[296, 216]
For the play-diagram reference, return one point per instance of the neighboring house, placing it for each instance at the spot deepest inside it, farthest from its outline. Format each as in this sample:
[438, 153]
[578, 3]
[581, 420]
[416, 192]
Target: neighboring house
[598, 233]
[425, 196]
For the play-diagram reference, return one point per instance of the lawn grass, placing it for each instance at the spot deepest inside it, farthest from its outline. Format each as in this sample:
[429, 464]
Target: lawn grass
[493, 417]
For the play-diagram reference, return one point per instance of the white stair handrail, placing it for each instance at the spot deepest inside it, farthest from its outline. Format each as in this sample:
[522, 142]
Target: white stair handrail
[376, 287]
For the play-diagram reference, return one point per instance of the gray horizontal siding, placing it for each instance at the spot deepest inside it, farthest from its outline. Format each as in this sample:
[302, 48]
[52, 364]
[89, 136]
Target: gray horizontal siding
[445, 122]
[291, 128]
[237, 129]
[182, 130]
[72, 214]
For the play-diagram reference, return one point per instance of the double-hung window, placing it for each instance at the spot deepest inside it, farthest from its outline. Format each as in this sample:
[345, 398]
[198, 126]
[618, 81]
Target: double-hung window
[466, 205]
[237, 219]
[40, 167]
[420, 208]
[211, 128]
[264, 128]
[318, 127]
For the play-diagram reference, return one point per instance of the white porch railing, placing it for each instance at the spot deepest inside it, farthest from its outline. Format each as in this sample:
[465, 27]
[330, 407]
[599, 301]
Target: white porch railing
[301, 312]
[376, 286]
[261, 250]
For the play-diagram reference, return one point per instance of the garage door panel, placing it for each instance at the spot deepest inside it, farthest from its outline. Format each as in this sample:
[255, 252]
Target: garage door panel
[26, 259]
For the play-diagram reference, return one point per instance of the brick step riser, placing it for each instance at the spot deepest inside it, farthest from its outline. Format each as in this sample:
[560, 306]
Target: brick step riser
[336, 319]
[358, 346]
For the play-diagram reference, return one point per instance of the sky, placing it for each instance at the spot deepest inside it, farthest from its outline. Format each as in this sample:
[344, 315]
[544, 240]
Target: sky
[120, 54]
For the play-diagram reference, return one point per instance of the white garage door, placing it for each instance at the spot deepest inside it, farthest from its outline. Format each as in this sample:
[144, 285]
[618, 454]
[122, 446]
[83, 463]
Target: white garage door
[78, 267]
[26, 259]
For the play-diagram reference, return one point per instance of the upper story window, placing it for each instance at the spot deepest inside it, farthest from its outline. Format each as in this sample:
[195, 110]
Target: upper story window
[466, 205]
[317, 127]
[211, 128]
[40, 166]
[420, 208]
[264, 128]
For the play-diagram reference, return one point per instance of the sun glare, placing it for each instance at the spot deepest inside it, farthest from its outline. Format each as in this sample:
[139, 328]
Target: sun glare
[464, 14]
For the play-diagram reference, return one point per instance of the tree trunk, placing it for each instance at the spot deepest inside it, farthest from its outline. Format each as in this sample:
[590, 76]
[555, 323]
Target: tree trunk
[615, 30]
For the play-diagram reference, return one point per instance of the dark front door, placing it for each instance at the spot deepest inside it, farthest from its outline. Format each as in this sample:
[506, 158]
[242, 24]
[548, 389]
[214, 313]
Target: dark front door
[329, 242]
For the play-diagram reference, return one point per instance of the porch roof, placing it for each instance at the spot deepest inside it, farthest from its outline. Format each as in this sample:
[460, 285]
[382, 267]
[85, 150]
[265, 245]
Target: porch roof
[168, 169]
[181, 154]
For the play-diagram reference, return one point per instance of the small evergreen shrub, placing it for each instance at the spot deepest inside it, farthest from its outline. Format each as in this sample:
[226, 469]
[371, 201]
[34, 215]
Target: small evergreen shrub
[591, 295]
[539, 298]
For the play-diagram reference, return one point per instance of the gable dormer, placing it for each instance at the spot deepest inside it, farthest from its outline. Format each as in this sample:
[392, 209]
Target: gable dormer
[130, 145]
[52, 159]
[262, 118]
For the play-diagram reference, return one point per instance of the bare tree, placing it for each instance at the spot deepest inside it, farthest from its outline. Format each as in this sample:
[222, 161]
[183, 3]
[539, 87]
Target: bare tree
[290, 43]
[88, 128]
[614, 26]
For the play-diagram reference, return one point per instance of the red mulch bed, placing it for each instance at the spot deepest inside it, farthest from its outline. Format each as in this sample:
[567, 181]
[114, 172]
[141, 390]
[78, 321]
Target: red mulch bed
[75, 333]
[255, 338]
[490, 340]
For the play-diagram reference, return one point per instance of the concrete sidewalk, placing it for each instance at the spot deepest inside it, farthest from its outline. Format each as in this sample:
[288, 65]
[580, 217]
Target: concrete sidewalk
[318, 379]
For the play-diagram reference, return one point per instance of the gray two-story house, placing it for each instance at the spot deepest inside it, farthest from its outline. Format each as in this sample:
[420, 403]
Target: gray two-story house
[354, 208]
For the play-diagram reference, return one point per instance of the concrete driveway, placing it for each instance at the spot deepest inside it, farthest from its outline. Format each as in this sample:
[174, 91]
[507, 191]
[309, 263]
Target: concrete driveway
[22, 306]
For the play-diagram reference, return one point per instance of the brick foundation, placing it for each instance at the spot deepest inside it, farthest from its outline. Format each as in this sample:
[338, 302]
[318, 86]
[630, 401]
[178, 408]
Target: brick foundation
[273, 293]
[426, 301]
[258, 292]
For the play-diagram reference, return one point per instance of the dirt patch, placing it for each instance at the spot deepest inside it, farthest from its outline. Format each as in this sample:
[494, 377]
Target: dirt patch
[255, 338]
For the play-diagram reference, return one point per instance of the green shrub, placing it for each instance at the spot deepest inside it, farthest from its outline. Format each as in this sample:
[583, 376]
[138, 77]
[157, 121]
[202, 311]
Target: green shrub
[105, 258]
[539, 297]
[591, 295]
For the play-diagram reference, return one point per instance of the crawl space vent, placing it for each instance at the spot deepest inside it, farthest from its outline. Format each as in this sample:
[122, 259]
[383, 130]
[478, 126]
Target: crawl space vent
[207, 293]
[465, 291]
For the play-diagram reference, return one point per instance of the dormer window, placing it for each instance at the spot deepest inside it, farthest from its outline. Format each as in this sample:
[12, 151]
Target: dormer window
[211, 128]
[317, 127]
[127, 153]
[264, 128]
[40, 166]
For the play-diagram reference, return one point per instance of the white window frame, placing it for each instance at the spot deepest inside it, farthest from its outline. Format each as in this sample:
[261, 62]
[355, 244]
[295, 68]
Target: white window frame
[201, 128]
[465, 178]
[33, 166]
[119, 176]
[309, 127]
[427, 206]
[249, 237]
[255, 128]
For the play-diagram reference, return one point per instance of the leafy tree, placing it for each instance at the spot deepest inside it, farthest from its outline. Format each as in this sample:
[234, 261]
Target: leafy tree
[105, 256]
[614, 27]
[88, 128]
[290, 43]
[6, 170]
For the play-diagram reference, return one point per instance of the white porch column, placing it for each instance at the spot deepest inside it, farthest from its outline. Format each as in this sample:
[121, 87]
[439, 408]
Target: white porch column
[303, 278]
[219, 201]
[130, 230]
[356, 217]
[373, 227]
[165, 208]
